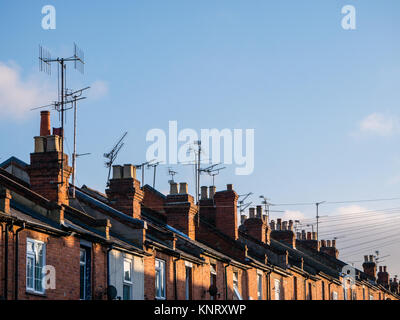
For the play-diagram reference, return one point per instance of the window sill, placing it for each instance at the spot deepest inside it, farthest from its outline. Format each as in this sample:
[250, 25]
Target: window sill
[36, 294]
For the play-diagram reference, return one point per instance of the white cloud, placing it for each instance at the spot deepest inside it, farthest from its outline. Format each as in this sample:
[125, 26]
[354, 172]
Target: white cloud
[293, 215]
[18, 95]
[98, 90]
[379, 124]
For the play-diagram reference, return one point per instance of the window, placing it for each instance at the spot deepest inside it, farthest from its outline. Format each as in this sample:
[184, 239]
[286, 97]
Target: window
[277, 289]
[294, 288]
[371, 297]
[127, 281]
[363, 293]
[213, 277]
[259, 286]
[323, 290]
[334, 295]
[160, 279]
[188, 281]
[84, 265]
[309, 291]
[236, 293]
[35, 259]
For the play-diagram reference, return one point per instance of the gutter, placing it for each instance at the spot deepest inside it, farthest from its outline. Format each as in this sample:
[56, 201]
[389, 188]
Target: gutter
[108, 268]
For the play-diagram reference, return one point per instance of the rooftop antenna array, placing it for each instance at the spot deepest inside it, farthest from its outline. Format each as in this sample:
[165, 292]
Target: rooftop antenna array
[142, 167]
[45, 62]
[212, 171]
[242, 198]
[75, 96]
[171, 173]
[112, 155]
[154, 166]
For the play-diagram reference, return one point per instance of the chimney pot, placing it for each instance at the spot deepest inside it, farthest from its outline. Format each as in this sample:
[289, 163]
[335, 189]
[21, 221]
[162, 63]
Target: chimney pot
[333, 243]
[380, 269]
[183, 188]
[212, 192]
[314, 236]
[323, 243]
[303, 234]
[309, 236]
[117, 172]
[385, 269]
[328, 243]
[229, 187]
[272, 225]
[129, 171]
[365, 258]
[284, 225]
[251, 213]
[259, 212]
[173, 188]
[45, 123]
[371, 258]
[243, 218]
[279, 224]
[204, 191]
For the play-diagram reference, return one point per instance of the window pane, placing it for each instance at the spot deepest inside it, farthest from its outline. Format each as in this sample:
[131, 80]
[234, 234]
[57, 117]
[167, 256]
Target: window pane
[83, 256]
[29, 272]
[127, 292]
[127, 270]
[82, 282]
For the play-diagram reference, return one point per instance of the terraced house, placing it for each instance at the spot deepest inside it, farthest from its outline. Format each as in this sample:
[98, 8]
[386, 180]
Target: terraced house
[133, 242]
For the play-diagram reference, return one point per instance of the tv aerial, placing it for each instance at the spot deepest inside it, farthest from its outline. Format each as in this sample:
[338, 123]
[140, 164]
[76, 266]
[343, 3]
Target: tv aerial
[154, 166]
[112, 155]
[171, 173]
[142, 167]
[45, 62]
[212, 171]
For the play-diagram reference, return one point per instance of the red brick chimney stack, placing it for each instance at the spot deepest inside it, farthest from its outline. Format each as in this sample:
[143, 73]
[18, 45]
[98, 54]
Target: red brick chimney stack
[283, 231]
[124, 191]
[383, 277]
[308, 240]
[49, 165]
[369, 266]
[226, 212]
[255, 226]
[329, 247]
[181, 210]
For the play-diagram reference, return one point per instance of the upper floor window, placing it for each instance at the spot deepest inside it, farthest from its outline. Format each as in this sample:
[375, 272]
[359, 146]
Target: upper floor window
[277, 289]
[236, 293]
[127, 281]
[259, 286]
[84, 266]
[160, 279]
[35, 261]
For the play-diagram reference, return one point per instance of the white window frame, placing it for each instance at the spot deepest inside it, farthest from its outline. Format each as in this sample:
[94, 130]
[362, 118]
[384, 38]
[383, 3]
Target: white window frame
[161, 272]
[128, 283]
[259, 286]
[277, 289]
[334, 295]
[371, 297]
[235, 281]
[34, 256]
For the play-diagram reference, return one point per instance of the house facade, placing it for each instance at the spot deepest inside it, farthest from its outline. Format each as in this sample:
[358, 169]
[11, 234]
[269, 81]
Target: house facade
[132, 242]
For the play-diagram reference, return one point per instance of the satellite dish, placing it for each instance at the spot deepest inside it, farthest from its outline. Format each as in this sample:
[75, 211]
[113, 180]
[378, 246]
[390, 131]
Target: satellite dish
[213, 290]
[111, 292]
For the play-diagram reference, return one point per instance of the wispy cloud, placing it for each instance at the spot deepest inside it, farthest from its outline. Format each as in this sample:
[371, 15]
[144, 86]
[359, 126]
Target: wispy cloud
[378, 124]
[98, 90]
[293, 215]
[19, 94]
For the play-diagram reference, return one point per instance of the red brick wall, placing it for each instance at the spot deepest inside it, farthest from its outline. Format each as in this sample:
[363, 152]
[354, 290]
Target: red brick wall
[63, 254]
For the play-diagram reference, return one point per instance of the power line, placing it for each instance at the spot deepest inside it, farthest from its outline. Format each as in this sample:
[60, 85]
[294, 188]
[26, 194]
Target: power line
[334, 202]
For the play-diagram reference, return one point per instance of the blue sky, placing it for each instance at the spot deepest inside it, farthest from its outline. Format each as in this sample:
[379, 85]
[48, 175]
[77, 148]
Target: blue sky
[323, 100]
